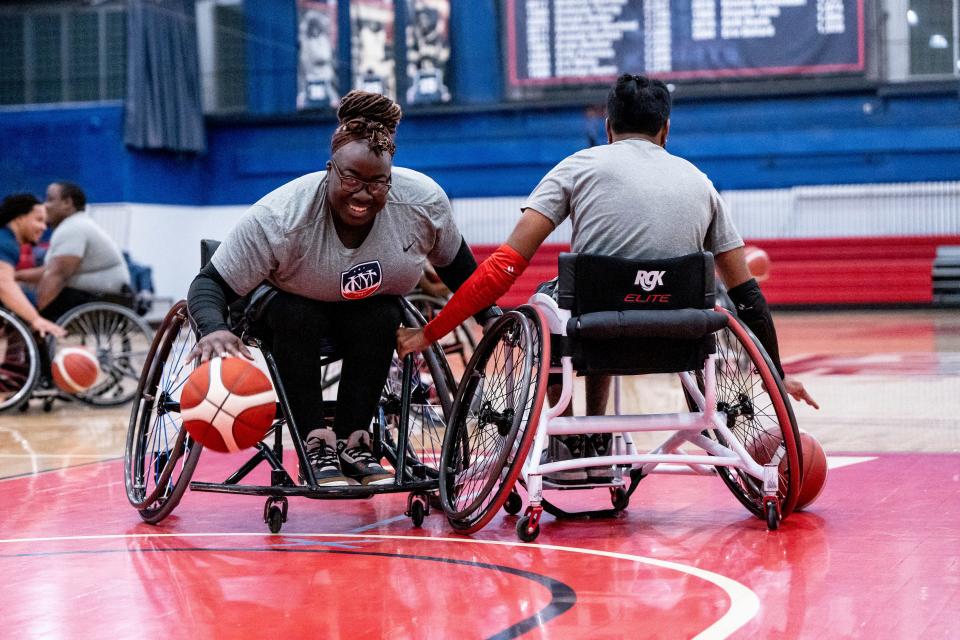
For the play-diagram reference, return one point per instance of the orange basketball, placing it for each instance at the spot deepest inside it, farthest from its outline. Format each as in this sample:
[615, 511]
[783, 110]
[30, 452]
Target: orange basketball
[758, 262]
[74, 369]
[228, 404]
[814, 470]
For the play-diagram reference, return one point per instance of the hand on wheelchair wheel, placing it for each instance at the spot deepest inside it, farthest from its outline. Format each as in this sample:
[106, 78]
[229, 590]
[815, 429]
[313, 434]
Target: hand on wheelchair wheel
[410, 341]
[221, 343]
[44, 327]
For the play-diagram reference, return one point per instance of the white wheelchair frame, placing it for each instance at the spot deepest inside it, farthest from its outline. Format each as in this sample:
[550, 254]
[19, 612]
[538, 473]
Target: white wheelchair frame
[668, 457]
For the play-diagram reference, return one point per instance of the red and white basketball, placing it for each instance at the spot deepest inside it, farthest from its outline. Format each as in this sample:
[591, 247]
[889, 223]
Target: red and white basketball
[814, 470]
[74, 369]
[758, 262]
[227, 404]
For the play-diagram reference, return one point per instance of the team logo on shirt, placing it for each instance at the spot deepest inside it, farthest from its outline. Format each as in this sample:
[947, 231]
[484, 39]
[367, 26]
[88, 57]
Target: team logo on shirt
[361, 280]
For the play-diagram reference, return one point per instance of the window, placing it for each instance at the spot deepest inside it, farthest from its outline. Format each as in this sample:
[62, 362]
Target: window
[933, 37]
[53, 54]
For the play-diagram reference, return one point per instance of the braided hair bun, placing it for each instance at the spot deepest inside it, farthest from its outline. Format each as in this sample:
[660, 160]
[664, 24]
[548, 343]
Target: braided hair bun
[367, 116]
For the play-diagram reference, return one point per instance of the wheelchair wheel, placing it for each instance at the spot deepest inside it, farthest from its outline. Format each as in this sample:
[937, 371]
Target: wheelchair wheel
[19, 361]
[120, 340]
[460, 343]
[431, 400]
[160, 456]
[759, 415]
[494, 419]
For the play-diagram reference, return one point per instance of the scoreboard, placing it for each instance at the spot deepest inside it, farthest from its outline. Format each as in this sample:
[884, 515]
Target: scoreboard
[583, 43]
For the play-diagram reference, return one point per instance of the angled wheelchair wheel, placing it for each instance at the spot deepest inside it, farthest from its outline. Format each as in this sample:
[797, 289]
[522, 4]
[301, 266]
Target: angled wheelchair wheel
[119, 338]
[759, 416]
[19, 361]
[494, 418]
[160, 456]
[431, 400]
[460, 343]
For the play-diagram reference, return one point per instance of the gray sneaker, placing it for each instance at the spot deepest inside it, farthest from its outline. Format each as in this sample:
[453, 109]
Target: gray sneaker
[358, 462]
[565, 448]
[322, 455]
[598, 444]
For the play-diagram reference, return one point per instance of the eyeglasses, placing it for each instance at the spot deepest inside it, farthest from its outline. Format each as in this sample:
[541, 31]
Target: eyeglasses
[350, 184]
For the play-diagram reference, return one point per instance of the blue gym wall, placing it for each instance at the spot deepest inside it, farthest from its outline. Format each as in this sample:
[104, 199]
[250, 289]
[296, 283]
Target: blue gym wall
[483, 148]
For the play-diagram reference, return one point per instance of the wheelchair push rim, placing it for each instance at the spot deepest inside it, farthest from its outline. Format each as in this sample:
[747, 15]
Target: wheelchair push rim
[160, 456]
[761, 419]
[19, 361]
[120, 340]
[472, 493]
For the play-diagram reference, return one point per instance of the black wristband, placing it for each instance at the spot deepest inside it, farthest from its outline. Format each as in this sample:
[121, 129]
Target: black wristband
[753, 310]
[207, 300]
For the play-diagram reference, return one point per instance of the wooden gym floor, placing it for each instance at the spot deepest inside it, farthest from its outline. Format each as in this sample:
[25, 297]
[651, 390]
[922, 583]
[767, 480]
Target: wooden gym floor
[877, 556]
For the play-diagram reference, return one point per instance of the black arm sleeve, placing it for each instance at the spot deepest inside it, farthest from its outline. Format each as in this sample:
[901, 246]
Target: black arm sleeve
[752, 309]
[208, 299]
[456, 273]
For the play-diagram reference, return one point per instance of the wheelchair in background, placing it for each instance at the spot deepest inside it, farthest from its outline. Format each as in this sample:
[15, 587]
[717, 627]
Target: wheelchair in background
[114, 333]
[618, 317]
[160, 456]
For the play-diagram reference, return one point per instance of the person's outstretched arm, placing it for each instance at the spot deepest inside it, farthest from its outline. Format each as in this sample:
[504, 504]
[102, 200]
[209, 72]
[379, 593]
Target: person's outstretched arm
[207, 302]
[752, 309]
[491, 280]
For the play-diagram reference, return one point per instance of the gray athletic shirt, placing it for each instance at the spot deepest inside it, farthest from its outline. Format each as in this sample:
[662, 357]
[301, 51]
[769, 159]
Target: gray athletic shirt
[102, 267]
[288, 238]
[632, 199]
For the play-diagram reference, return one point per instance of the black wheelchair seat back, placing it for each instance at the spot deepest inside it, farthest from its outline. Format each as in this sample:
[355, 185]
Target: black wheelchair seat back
[632, 317]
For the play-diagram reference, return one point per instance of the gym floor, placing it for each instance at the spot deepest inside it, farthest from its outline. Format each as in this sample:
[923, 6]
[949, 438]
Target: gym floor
[876, 556]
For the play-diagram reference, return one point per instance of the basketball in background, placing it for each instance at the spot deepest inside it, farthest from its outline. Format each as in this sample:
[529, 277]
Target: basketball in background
[758, 262]
[228, 404]
[814, 470]
[74, 369]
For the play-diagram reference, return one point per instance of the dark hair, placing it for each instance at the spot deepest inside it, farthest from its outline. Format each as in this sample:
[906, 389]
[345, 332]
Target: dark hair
[16, 205]
[75, 193]
[638, 104]
[367, 116]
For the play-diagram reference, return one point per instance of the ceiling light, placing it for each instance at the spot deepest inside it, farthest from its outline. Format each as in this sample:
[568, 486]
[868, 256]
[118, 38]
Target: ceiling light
[937, 41]
[912, 18]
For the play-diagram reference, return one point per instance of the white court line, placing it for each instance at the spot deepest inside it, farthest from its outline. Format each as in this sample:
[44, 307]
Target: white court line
[744, 603]
[92, 456]
[835, 462]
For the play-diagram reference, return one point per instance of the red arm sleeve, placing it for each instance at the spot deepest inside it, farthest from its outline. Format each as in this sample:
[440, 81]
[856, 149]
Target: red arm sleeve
[492, 279]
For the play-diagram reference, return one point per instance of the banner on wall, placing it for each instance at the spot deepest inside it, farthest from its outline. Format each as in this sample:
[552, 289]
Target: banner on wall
[372, 38]
[428, 51]
[317, 67]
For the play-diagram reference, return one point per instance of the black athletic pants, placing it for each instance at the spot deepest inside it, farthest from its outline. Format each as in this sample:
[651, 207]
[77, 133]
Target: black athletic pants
[364, 331]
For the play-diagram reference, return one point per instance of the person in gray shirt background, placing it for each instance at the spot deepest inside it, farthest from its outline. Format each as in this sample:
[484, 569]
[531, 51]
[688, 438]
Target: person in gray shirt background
[82, 264]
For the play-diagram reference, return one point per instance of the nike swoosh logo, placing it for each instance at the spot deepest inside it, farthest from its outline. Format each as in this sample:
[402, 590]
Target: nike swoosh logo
[407, 248]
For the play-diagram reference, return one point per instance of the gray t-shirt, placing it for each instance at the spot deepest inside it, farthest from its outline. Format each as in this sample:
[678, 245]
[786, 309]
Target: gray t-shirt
[632, 199]
[288, 238]
[102, 267]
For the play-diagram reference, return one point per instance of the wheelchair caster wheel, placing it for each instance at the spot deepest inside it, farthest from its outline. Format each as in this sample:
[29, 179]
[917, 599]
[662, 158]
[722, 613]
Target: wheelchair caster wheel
[418, 507]
[275, 513]
[48, 405]
[525, 531]
[619, 498]
[514, 503]
[772, 510]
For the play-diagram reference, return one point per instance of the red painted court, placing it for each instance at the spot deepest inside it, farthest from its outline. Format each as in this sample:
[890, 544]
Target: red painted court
[876, 556]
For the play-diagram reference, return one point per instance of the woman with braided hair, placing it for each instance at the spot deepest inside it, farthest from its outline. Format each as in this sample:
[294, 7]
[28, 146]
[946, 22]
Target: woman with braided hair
[341, 245]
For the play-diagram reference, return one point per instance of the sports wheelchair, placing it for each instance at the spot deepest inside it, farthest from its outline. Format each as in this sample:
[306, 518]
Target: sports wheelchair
[618, 317]
[160, 456]
[117, 336]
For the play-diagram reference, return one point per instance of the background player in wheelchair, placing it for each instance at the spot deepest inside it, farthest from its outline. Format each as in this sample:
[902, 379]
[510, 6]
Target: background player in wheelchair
[341, 246]
[628, 199]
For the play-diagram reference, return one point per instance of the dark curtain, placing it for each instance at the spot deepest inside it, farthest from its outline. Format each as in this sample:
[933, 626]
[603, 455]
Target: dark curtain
[164, 107]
